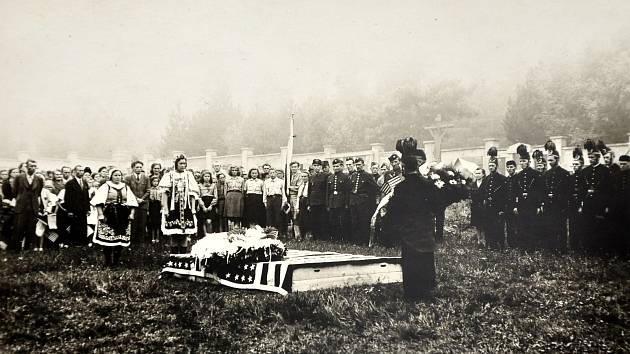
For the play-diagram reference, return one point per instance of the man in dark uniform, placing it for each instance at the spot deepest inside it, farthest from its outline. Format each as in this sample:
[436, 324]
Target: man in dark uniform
[396, 170]
[576, 228]
[362, 202]
[510, 198]
[539, 161]
[337, 196]
[555, 184]
[526, 201]
[410, 215]
[596, 196]
[623, 203]
[493, 195]
[615, 222]
[317, 201]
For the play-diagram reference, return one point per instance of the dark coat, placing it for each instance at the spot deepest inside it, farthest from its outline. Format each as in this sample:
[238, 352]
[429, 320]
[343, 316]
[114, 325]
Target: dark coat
[337, 190]
[596, 189]
[27, 195]
[492, 194]
[555, 190]
[476, 203]
[317, 189]
[363, 188]
[76, 199]
[410, 213]
[140, 188]
[527, 191]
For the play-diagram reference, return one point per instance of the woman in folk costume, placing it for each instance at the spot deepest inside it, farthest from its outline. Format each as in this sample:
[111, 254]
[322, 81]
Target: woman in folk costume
[115, 204]
[181, 192]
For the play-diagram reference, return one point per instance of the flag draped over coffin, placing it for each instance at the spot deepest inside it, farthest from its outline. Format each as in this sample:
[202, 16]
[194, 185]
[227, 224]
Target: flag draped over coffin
[269, 276]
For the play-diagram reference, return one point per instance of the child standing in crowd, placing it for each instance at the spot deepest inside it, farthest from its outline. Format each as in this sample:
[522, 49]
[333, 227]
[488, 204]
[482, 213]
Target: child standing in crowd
[234, 198]
[219, 222]
[155, 209]
[208, 194]
[254, 213]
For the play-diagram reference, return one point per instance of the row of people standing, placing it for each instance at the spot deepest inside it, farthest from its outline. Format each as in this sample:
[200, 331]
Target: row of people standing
[548, 207]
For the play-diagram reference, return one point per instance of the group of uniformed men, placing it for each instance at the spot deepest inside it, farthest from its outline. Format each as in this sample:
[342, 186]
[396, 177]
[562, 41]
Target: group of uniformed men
[586, 209]
[341, 203]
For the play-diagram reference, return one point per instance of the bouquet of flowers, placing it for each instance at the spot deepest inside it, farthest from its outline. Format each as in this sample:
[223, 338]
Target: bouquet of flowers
[450, 183]
[240, 246]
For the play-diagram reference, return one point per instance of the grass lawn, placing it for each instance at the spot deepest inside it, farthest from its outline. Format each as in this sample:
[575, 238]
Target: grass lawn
[485, 301]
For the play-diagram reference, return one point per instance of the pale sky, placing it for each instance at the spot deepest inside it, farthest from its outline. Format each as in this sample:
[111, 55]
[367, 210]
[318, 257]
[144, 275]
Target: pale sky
[137, 60]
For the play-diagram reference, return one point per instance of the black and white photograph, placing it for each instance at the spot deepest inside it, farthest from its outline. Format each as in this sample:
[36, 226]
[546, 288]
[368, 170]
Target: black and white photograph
[314, 176]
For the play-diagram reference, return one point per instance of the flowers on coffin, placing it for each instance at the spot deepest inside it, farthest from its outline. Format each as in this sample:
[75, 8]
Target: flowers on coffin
[240, 246]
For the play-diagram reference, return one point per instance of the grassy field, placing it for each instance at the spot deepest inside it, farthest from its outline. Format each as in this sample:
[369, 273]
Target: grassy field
[485, 301]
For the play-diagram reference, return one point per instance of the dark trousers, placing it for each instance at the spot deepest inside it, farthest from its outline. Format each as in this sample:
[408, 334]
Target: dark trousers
[78, 229]
[24, 229]
[511, 231]
[494, 228]
[439, 225]
[555, 231]
[418, 270]
[319, 222]
[274, 212]
[529, 231]
[360, 218]
[339, 227]
[112, 255]
[576, 231]
[139, 226]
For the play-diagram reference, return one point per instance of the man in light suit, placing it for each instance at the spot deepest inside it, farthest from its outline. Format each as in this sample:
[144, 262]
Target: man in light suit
[140, 185]
[27, 187]
[77, 204]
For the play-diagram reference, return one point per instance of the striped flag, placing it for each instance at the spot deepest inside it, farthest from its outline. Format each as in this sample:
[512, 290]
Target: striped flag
[389, 186]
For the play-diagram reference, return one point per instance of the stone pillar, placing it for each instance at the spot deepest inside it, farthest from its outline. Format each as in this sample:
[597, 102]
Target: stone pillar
[628, 141]
[377, 152]
[72, 158]
[561, 143]
[487, 144]
[429, 149]
[329, 150]
[23, 155]
[245, 154]
[211, 155]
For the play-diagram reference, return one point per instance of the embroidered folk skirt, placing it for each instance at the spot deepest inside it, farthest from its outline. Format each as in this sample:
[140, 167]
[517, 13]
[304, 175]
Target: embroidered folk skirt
[234, 204]
[179, 221]
[115, 230]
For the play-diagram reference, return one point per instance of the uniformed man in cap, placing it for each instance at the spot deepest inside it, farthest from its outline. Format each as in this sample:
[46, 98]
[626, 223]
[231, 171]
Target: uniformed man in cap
[362, 202]
[337, 199]
[317, 201]
[394, 161]
[623, 199]
[596, 198]
[493, 195]
[555, 184]
[510, 198]
[576, 228]
[526, 201]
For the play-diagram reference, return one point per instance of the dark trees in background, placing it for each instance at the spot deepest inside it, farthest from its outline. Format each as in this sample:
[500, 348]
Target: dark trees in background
[589, 99]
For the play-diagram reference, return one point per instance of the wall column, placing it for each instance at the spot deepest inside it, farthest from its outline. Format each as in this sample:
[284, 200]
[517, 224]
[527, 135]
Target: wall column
[245, 154]
[211, 155]
[429, 149]
[377, 152]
